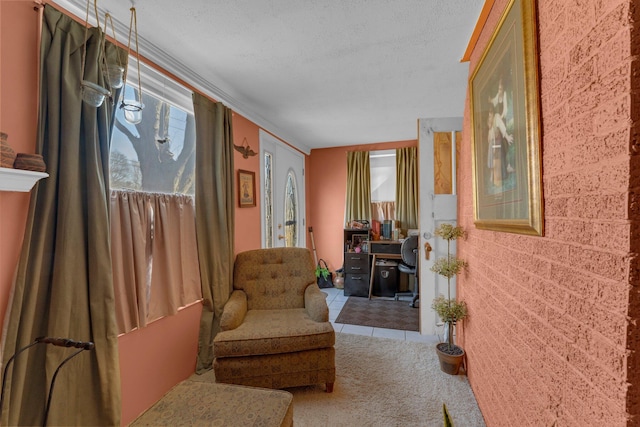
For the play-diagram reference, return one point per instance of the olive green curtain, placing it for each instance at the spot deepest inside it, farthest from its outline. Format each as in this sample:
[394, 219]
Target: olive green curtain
[358, 199]
[214, 217]
[407, 187]
[63, 285]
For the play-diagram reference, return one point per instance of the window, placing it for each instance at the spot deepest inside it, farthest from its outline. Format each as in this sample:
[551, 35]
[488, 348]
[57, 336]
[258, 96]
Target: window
[382, 165]
[291, 211]
[383, 175]
[152, 180]
[268, 200]
[157, 154]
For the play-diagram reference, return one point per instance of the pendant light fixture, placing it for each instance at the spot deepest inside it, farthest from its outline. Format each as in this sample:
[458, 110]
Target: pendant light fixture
[92, 93]
[133, 107]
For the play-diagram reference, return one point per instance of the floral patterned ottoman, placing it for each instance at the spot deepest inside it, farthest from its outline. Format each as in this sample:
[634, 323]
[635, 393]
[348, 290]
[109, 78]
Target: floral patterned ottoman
[194, 403]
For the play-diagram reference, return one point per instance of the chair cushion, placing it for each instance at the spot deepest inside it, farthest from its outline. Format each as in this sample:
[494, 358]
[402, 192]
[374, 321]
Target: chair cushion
[274, 332]
[404, 268]
[278, 370]
[274, 278]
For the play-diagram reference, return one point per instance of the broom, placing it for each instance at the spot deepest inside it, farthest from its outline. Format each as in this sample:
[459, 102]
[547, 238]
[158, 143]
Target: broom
[313, 245]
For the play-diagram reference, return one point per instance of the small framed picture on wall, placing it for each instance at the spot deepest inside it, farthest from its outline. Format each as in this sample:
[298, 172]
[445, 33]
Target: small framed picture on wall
[246, 188]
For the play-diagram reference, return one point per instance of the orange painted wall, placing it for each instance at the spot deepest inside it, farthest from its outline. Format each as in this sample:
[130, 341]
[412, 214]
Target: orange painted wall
[547, 338]
[247, 220]
[326, 193]
[156, 358]
[18, 119]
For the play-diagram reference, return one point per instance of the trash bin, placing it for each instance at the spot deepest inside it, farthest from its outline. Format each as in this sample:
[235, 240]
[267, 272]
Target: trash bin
[385, 282]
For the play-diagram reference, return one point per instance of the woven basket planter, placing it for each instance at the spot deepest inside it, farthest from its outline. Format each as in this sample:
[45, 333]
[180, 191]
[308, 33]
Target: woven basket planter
[7, 155]
[30, 162]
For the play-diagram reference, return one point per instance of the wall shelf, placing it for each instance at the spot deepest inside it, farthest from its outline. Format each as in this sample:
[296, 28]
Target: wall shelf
[19, 180]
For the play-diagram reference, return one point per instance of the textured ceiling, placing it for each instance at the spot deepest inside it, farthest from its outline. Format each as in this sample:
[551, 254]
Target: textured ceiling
[316, 73]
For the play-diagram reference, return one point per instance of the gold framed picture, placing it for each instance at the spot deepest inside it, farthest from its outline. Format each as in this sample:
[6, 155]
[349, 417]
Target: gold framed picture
[246, 188]
[505, 123]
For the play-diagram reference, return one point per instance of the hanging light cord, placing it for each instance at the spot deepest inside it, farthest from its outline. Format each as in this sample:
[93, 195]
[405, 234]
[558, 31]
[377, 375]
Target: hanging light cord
[107, 16]
[133, 23]
[86, 31]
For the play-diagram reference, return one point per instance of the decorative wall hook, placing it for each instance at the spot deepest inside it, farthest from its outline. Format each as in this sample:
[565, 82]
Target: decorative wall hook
[245, 149]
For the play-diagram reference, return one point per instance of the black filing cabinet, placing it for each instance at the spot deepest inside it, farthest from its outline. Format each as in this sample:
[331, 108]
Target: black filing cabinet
[356, 274]
[357, 266]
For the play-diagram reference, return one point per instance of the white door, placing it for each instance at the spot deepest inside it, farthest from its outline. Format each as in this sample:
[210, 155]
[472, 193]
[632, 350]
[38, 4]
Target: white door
[435, 208]
[282, 193]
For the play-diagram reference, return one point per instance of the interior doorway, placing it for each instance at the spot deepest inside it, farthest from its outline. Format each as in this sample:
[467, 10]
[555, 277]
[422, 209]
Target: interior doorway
[438, 204]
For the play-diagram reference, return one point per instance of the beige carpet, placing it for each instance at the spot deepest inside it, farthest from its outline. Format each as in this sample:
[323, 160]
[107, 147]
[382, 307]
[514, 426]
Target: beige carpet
[385, 382]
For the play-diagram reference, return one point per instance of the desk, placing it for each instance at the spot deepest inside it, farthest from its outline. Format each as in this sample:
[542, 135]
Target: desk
[387, 249]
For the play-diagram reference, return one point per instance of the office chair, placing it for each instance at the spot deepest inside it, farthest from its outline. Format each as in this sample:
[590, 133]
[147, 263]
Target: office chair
[409, 264]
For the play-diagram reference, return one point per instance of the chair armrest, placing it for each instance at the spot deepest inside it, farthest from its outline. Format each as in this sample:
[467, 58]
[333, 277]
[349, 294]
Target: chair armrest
[315, 302]
[234, 311]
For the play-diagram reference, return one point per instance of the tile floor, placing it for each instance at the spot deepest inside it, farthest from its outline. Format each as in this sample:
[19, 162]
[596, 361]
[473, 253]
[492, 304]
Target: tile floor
[336, 300]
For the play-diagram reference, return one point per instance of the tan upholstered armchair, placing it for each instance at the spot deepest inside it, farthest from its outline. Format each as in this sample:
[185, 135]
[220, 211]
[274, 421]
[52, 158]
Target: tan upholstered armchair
[275, 329]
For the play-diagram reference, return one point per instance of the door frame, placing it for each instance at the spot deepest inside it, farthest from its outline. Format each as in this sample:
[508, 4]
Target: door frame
[434, 208]
[272, 144]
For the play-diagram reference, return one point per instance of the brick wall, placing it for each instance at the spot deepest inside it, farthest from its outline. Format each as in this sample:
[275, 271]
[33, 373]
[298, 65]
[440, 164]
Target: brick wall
[548, 338]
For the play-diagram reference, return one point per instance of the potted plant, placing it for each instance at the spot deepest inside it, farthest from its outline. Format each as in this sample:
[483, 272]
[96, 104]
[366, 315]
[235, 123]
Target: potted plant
[450, 310]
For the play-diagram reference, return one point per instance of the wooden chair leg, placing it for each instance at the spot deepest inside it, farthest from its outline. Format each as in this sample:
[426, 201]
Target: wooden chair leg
[329, 387]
